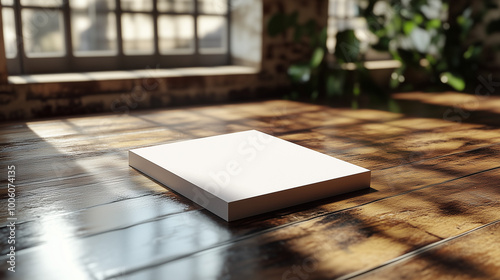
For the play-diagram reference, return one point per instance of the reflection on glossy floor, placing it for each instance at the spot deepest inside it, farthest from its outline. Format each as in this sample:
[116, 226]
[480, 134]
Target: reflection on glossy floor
[433, 209]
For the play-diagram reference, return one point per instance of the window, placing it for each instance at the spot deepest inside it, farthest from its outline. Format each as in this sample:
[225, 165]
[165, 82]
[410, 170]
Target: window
[92, 35]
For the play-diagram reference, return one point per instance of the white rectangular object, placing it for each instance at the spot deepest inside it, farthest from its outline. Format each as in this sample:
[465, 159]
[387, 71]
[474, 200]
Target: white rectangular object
[246, 173]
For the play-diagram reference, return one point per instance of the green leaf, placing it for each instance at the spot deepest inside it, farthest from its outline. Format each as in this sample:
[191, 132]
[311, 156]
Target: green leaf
[455, 81]
[433, 24]
[397, 23]
[356, 89]
[418, 19]
[382, 44]
[473, 52]
[408, 27]
[394, 83]
[347, 48]
[300, 73]
[335, 83]
[277, 24]
[393, 106]
[395, 77]
[323, 37]
[431, 59]
[317, 57]
[465, 21]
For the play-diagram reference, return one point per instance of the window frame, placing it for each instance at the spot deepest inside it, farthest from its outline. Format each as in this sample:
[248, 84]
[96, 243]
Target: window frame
[23, 64]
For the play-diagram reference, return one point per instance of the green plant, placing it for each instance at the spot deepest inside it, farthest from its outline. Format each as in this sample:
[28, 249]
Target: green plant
[315, 77]
[305, 75]
[426, 38]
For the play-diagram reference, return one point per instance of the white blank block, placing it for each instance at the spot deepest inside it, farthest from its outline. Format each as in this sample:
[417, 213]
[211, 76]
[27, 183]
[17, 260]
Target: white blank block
[242, 174]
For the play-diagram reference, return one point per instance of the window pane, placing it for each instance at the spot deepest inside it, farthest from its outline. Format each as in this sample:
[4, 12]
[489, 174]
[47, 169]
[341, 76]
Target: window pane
[137, 33]
[212, 33]
[342, 8]
[94, 33]
[99, 5]
[135, 5]
[176, 34]
[178, 6]
[43, 32]
[93, 27]
[46, 3]
[7, 2]
[212, 6]
[9, 32]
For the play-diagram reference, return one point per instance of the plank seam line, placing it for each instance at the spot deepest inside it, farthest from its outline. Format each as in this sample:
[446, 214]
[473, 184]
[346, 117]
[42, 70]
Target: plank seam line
[90, 207]
[441, 156]
[415, 253]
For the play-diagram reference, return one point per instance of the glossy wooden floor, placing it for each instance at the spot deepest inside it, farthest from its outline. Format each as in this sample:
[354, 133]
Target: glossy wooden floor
[433, 210]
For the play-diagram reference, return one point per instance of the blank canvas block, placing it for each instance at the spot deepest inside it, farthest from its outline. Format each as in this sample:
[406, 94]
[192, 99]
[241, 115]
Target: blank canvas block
[242, 174]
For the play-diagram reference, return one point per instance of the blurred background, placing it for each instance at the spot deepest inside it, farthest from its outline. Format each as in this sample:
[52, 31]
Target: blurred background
[86, 56]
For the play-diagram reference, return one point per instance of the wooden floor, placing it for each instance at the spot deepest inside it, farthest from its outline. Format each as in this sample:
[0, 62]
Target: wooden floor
[433, 210]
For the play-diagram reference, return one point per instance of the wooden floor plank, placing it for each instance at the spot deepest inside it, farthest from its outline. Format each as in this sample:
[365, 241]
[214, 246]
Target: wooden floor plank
[384, 184]
[337, 141]
[473, 201]
[95, 192]
[466, 257]
[341, 243]
[432, 179]
[70, 156]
